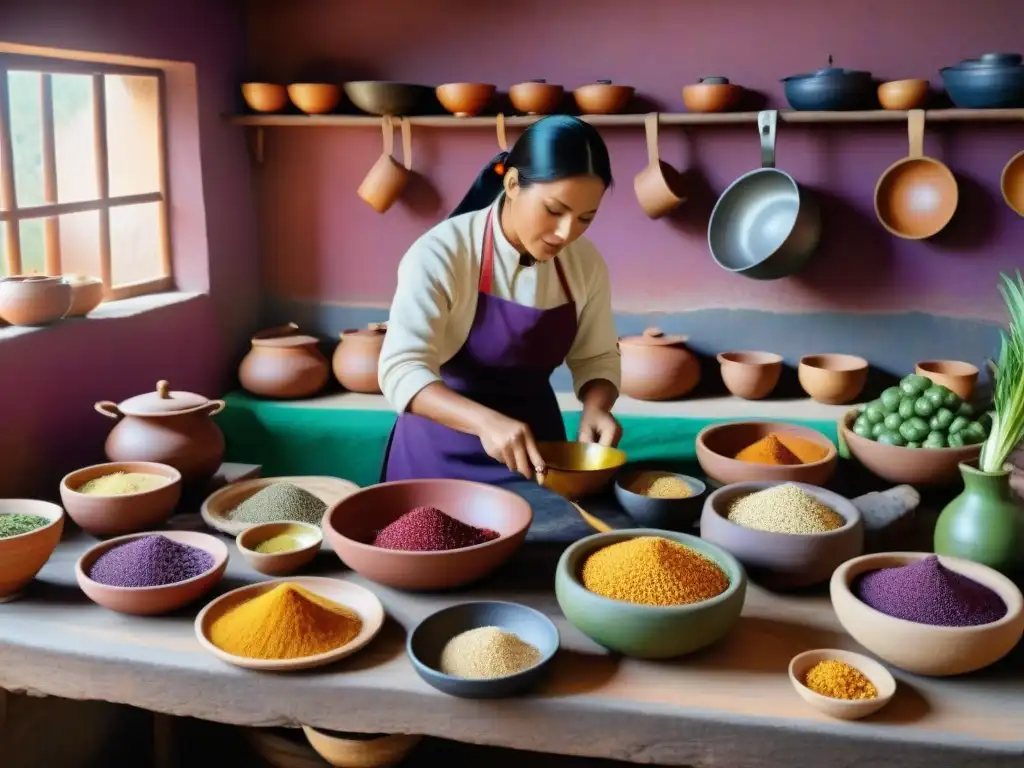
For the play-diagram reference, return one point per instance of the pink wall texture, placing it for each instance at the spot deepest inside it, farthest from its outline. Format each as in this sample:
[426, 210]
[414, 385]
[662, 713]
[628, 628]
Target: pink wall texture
[320, 243]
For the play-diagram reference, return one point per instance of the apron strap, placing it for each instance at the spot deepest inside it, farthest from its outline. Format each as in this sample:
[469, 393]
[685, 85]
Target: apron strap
[562, 279]
[487, 263]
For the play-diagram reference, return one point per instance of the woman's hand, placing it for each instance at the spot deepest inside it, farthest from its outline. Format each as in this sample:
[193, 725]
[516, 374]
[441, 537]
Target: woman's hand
[511, 442]
[599, 426]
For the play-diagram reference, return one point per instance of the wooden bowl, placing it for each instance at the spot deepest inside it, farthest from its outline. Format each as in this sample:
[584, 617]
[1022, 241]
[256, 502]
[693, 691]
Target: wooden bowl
[784, 560]
[33, 299]
[351, 524]
[899, 465]
[924, 649]
[602, 97]
[536, 97]
[465, 99]
[86, 294]
[903, 94]
[842, 709]
[23, 556]
[279, 563]
[314, 98]
[347, 593]
[712, 94]
[153, 601]
[577, 469]
[362, 750]
[719, 443]
[379, 97]
[833, 379]
[750, 375]
[265, 97]
[127, 513]
[955, 375]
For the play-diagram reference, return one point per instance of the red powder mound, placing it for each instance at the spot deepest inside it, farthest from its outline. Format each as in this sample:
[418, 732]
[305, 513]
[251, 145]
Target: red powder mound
[427, 529]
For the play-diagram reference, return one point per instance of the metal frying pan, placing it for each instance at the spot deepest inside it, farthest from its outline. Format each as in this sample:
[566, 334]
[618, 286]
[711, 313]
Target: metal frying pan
[764, 226]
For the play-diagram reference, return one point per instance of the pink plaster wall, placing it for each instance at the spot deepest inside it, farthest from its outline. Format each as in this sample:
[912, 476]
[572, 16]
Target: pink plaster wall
[319, 242]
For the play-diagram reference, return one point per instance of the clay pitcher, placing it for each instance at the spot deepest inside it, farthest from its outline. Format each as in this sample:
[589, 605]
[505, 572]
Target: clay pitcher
[168, 427]
[356, 357]
[283, 364]
[657, 366]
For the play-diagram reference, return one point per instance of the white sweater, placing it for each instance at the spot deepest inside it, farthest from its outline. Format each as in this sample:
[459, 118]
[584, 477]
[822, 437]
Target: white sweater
[435, 302]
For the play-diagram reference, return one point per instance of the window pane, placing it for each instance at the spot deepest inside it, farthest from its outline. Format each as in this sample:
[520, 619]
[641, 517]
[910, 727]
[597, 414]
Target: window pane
[80, 243]
[74, 136]
[135, 243]
[133, 114]
[27, 136]
[33, 255]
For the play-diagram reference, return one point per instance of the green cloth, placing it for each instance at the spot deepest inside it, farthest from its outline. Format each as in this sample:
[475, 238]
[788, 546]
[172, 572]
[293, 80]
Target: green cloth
[290, 439]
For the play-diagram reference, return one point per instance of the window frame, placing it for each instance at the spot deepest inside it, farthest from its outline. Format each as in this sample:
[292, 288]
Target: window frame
[11, 214]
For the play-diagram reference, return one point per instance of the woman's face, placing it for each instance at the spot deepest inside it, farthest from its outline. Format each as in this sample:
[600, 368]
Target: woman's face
[547, 217]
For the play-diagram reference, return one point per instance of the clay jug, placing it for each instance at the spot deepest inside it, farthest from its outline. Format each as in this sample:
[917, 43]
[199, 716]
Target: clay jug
[168, 427]
[985, 523]
[356, 357]
[283, 364]
[657, 366]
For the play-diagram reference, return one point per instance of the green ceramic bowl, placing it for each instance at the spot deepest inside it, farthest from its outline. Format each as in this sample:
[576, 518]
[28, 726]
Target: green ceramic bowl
[646, 631]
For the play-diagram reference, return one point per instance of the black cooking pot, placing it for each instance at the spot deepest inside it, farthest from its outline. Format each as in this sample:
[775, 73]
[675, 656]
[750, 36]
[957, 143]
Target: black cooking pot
[831, 89]
[992, 81]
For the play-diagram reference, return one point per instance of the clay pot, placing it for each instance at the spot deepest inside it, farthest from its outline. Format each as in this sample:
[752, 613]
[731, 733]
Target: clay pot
[536, 97]
[750, 375]
[265, 97]
[465, 99]
[86, 294]
[833, 379]
[602, 97]
[314, 98]
[284, 364]
[903, 94]
[954, 375]
[656, 366]
[356, 356]
[167, 427]
[711, 94]
[33, 299]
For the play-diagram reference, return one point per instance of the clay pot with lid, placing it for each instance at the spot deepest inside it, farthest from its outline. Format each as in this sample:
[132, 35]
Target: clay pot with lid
[603, 97]
[33, 299]
[711, 94]
[657, 366]
[167, 427]
[284, 363]
[356, 357]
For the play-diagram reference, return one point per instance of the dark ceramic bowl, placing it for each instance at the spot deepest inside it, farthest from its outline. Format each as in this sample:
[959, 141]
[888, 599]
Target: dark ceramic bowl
[428, 639]
[648, 631]
[653, 512]
[379, 97]
[350, 525]
[784, 560]
[719, 443]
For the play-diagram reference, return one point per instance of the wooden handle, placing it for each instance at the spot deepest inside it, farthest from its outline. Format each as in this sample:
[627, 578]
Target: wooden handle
[163, 389]
[406, 142]
[651, 128]
[388, 131]
[502, 137]
[915, 130]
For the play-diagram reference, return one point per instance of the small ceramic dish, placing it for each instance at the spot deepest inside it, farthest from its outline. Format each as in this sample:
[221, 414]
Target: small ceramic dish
[718, 444]
[265, 97]
[833, 379]
[903, 94]
[427, 641]
[153, 601]
[955, 375]
[347, 593]
[536, 97]
[465, 99]
[750, 375]
[671, 514]
[125, 513]
[314, 98]
[309, 537]
[842, 709]
[366, 750]
[603, 97]
[24, 555]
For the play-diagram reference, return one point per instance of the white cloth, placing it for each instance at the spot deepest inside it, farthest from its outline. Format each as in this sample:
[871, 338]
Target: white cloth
[435, 301]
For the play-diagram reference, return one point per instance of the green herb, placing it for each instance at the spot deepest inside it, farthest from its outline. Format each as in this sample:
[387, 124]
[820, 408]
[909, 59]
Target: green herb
[17, 524]
[1008, 419]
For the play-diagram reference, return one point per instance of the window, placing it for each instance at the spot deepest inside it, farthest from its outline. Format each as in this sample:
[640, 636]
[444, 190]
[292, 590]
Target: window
[83, 173]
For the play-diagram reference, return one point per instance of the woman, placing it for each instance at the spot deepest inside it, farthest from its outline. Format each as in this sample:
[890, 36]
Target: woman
[490, 302]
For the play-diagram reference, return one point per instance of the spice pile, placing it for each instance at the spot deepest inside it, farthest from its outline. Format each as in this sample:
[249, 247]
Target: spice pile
[838, 680]
[428, 529]
[651, 570]
[123, 483]
[659, 485]
[279, 502]
[487, 652]
[149, 561]
[784, 509]
[288, 622]
[782, 448]
[15, 525]
[927, 592]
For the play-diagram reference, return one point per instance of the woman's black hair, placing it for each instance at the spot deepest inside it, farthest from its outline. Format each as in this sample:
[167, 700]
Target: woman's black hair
[554, 148]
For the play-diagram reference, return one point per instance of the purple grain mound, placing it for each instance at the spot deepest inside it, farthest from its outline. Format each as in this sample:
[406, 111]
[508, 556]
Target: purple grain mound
[427, 529]
[151, 561]
[927, 592]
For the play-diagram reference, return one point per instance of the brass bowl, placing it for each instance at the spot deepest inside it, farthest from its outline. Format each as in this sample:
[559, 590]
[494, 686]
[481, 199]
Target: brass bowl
[579, 469]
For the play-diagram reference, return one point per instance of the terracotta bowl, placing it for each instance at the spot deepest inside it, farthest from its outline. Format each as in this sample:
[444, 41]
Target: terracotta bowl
[750, 375]
[603, 98]
[86, 294]
[22, 557]
[117, 515]
[33, 299]
[903, 94]
[265, 97]
[783, 560]
[314, 98]
[653, 512]
[842, 709]
[364, 750]
[153, 601]
[921, 648]
[897, 464]
[351, 524]
[536, 97]
[648, 631]
[711, 96]
[279, 563]
[955, 375]
[1011, 183]
[833, 379]
[577, 469]
[717, 444]
[465, 99]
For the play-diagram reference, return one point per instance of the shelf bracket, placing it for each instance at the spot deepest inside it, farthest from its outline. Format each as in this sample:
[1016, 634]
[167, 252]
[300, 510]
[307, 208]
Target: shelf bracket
[256, 143]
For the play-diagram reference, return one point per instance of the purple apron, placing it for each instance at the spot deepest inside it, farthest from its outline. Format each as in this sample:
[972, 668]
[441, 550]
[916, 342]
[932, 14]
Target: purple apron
[506, 365]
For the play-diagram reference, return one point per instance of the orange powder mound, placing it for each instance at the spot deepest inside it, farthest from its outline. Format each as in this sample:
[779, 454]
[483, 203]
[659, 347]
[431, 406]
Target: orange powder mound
[768, 450]
[806, 450]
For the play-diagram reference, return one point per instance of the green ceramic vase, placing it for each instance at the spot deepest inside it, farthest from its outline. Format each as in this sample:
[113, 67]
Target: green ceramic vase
[985, 523]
